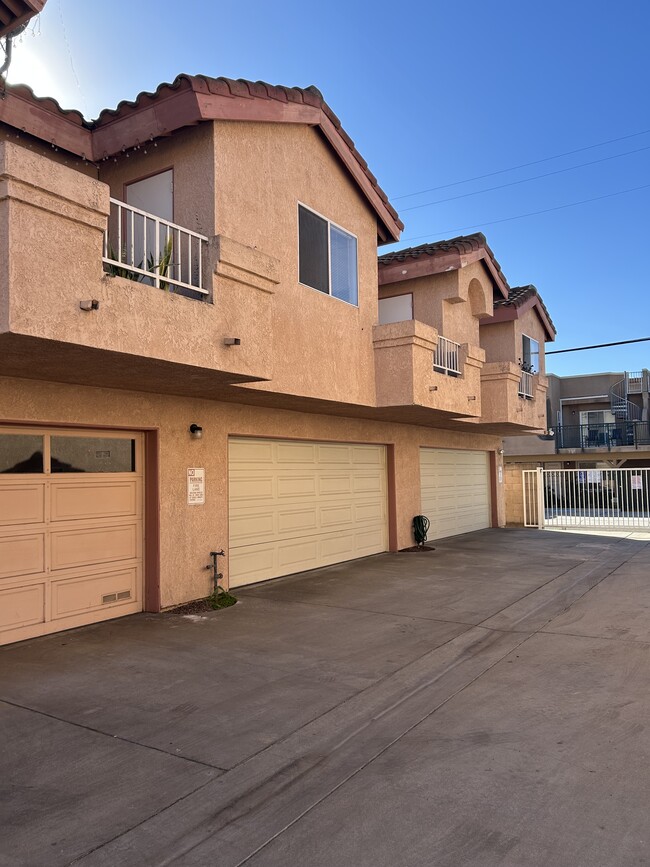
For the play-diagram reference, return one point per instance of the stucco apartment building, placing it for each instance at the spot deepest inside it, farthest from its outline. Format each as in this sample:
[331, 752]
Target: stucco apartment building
[200, 350]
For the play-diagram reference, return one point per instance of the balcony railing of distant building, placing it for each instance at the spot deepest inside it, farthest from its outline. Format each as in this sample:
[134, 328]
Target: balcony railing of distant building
[150, 250]
[446, 358]
[603, 436]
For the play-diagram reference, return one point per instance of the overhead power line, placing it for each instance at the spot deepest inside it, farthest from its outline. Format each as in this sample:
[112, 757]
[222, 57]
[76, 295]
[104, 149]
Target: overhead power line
[598, 346]
[529, 214]
[525, 180]
[521, 165]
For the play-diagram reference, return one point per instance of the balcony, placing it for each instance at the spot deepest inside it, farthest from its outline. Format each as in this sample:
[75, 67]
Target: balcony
[415, 366]
[142, 247]
[86, 304]
[605, 437]
[512, 396]
[446, 357]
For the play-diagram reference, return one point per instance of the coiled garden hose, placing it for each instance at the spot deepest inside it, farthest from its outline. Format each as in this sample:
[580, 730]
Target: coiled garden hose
[421, 526]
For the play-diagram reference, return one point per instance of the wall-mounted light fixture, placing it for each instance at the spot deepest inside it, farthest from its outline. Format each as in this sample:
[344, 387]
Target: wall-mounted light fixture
[499, 451]
[196, 431]
[91, 304]
[232, 341]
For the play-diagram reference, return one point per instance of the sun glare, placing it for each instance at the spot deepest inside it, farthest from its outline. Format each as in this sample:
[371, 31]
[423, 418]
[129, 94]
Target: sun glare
[44, 79]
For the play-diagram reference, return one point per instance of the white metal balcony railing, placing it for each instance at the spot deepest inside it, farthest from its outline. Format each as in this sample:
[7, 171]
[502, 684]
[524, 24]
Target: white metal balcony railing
[526, 385]
[446, 358]
[148, 249]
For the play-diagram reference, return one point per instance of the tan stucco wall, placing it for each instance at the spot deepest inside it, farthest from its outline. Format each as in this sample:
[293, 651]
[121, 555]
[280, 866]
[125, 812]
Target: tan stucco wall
[502, 341]
[323, 346]
[188, 533]
[444, 301]
[190, 153]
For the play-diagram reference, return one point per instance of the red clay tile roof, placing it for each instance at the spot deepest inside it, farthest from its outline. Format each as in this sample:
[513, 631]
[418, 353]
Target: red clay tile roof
[188, 100]
[520, 295]
[444, 256]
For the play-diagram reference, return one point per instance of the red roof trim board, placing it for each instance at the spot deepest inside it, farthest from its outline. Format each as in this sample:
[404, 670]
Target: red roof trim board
[189, 100]
[441, 256]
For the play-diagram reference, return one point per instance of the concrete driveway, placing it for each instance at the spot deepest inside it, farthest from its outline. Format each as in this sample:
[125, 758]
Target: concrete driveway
[483, 704]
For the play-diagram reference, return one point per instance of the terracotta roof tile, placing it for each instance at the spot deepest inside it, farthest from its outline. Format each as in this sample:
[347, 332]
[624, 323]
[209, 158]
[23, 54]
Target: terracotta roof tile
[518, 296]
[224, 87]
[463, 244]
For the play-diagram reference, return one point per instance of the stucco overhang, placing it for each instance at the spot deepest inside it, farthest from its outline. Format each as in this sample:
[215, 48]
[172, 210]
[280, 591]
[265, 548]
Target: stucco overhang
[522, 299]
[14, 13]
[439, 257]
[189, 100]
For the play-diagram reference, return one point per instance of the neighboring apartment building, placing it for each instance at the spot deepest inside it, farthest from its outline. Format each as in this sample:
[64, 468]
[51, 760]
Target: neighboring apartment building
[197, 353]
[596, 421]
[592, 418]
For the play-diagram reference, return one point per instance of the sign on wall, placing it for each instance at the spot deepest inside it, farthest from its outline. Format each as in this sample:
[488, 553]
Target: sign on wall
[195, 486]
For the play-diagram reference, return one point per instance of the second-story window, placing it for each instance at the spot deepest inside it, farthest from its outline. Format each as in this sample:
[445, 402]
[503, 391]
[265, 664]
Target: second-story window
[327, 257]
[530, 355]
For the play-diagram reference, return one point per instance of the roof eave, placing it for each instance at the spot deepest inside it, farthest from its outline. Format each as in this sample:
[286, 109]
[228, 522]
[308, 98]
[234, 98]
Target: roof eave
[514, 311]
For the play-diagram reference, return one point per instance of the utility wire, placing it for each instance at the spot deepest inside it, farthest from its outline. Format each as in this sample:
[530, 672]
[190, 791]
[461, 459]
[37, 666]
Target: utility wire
[521, 166]
[525, 180]
[529, 214]
[598, 346]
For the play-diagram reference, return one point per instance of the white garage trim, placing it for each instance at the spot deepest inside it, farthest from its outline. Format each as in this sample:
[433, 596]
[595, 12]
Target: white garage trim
[455, 491]
[71, 528]
[299, 505]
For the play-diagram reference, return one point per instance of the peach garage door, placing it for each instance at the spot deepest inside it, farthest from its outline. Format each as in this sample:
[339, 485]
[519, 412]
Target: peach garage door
[300, 505]
[455, 491]
[70, 529]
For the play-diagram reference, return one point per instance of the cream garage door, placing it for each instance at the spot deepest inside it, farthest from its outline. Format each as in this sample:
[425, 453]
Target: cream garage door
[455, 491]
[300, 505]
[70, 529]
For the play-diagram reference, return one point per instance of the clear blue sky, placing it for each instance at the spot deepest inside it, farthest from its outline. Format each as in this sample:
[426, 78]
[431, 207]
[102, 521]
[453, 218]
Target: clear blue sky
[432, 93]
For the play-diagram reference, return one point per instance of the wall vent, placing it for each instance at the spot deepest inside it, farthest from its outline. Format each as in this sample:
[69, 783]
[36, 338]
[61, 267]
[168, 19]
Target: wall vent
[124, 594]
[109, 597]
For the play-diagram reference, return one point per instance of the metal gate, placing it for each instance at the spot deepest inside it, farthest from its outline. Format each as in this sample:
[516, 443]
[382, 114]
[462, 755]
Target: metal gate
[613, 499]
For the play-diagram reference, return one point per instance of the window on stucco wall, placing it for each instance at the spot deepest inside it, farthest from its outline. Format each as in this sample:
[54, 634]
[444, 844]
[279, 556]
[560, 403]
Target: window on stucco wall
[327, 257]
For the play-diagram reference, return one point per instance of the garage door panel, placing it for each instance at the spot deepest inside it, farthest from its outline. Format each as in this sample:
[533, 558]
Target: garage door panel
[249, 451]
[296, 486]
[322, 492]
[336, 515]
[337, 486]
[454, 491]
[22, 606]
[240, 527]
[295, 453]
[72, 548]
[254, 563]
[250, 488]
[22, 554]
[368, 512]
[84, 501]
[93, 592]
[297, 521]
[368, 455]
[334, 454]
[367, 484]
[22, 504]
